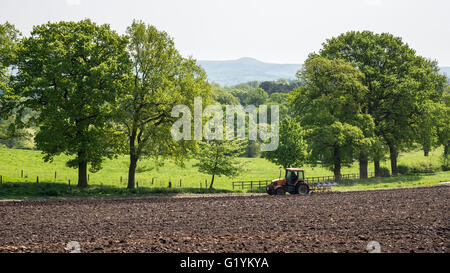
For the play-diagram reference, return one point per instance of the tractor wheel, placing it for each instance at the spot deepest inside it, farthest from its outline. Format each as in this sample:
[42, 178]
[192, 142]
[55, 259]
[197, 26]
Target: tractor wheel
[269, 189]
[280, 191]
[302, 188]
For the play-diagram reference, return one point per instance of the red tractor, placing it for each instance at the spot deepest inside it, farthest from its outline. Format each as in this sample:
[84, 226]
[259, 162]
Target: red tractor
[293, 183]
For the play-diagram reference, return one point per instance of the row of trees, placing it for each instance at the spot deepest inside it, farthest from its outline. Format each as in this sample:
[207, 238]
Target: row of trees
[367, 94]
[95, 94]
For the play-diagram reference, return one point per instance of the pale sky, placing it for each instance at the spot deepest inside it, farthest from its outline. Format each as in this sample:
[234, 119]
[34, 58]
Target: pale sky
[278, 31]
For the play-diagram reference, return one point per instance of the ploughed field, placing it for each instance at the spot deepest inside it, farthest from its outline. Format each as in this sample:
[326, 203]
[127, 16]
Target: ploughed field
[401, 220]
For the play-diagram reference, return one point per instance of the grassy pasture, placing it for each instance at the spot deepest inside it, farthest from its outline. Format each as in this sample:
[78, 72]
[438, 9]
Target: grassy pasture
[108, 180]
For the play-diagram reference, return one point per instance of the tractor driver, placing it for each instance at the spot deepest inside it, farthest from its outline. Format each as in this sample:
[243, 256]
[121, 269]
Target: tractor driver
[294, 178]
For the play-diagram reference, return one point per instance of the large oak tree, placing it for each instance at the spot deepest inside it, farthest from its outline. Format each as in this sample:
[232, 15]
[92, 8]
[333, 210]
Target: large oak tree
[160, 79]
[71, 74]
[329, 110]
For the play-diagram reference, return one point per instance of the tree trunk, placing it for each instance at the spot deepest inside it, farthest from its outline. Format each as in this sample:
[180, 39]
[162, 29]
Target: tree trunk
[425, 153]
[393, 153]
[363, 173]
[376, 165]
[337, 164]
[82, 175]
[132, 171]
[133, 160]
[446, 150]
[212, 182]
[337, 173]
[363, 164]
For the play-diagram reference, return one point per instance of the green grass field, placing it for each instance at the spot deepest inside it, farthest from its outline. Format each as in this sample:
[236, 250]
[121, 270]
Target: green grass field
[108, 180]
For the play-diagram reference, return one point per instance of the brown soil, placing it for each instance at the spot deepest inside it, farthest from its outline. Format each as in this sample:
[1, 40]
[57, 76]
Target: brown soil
[403, 220]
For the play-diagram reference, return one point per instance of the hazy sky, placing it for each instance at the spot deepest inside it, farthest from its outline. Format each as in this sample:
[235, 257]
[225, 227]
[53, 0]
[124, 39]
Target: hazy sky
[279, 31]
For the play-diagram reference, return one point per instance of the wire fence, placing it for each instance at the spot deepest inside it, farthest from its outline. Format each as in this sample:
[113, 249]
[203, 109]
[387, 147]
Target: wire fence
[25, 177]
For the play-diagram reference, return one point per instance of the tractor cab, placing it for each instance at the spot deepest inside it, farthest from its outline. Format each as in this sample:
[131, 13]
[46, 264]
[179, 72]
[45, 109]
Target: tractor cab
[293, 175]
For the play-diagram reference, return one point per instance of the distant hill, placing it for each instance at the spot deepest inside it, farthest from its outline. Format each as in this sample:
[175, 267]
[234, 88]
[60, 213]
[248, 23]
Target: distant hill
[242, 70]
[247, 69]
[445, 70]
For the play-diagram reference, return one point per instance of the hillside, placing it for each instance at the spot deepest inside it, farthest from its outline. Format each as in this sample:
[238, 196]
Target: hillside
[246, 69]
[445, 70]
[233, 72]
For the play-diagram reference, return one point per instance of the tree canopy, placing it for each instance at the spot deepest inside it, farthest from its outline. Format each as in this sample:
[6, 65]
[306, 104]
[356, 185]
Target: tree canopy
[160, 79]
[329, 109]
[218, 158]
[72, 74]
[399, 83]
[292, 148]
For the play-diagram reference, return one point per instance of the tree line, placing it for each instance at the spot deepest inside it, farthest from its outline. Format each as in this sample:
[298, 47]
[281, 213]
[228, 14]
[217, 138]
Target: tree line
[95, 94]
[366, 95]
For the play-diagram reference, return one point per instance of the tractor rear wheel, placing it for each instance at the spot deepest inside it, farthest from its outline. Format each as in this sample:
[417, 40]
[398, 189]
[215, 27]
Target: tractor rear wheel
[280, 191]
[302, 188]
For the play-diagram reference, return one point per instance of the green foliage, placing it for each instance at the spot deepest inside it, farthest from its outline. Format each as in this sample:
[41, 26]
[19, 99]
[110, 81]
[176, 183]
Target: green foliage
[423, 167]
[71, 74]
[445, 162]
[256, 97]
[223, 96]
[419, 167]
[291, 150]
[399, 84]
[329, 109]
[280, 86]
[442, 118]
[403, 169]
[9, 40]
[384, 172]
[219, 158]
[252, 149]
[161, 79]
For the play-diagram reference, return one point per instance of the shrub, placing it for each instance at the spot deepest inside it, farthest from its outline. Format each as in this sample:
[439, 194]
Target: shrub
[384, 172]
[445, 163]
[403, 169]
[423, 167]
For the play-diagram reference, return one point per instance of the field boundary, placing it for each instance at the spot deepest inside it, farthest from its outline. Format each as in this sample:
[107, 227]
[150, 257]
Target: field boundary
[193, 195]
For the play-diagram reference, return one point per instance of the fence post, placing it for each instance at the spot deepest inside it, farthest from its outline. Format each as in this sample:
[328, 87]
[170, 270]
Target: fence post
[232, 183]
[121, 180]
[251, 184]
[37, 179]
[55, 175]
[21, 174]
[152, 180]
[170, 184]
[1, 180]
[206, 183]
[180, 182]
